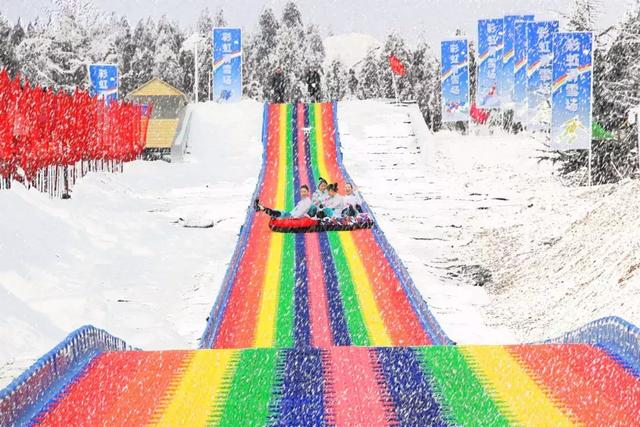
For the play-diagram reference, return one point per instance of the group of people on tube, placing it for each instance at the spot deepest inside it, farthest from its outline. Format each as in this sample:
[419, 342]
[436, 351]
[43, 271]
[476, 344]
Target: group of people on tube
[326, 202]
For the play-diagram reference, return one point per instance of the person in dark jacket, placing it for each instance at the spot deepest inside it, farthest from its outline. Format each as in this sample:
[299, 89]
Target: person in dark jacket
[313, 85]
[278, 82]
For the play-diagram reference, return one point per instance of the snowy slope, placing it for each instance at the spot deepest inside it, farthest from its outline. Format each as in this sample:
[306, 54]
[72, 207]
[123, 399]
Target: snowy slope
[350, 48]
[411, 203]
[118, 256]
[469, 209]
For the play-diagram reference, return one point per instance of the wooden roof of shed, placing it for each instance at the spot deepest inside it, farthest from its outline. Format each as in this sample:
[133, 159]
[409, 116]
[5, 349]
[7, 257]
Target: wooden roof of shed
[156, 87]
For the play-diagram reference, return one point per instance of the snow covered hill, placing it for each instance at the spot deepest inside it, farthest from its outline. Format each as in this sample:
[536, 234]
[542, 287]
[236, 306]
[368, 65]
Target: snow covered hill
[350, 48]
[469, 210]
[118, 254]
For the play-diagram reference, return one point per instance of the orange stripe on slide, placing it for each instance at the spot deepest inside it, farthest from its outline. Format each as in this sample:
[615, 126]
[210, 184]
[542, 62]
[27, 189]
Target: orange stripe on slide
[399, 316]
[239, 322]
[585, 381]
[125, 389]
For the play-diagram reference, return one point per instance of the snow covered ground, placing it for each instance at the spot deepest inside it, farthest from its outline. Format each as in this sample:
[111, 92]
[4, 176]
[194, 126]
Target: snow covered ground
[480, 209]
[118, 255]
[460, 210]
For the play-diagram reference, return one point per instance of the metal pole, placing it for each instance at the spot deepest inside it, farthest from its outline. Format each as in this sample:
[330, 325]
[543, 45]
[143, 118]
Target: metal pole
[637, 113]
[590, 166]
[395, 87]
[195, 63]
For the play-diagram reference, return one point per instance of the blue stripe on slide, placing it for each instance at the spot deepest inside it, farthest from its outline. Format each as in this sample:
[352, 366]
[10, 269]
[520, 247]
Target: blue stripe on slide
[302, 391]
[415, 404]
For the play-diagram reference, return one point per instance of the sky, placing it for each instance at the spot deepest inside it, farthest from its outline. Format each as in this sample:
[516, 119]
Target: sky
[429, 20]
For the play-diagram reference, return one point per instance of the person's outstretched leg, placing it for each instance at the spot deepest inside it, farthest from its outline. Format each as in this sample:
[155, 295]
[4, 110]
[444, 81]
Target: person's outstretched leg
[271, 212]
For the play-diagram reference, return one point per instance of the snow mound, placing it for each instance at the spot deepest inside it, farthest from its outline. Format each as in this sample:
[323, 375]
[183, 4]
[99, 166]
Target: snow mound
[350, 48]
[588, 270]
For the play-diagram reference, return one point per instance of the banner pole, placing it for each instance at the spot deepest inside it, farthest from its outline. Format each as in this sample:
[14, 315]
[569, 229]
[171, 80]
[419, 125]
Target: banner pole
[395, 87]
[589, 166]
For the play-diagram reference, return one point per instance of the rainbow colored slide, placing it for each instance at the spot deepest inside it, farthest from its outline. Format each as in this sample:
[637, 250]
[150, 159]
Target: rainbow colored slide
[327, 329]
[314, 289]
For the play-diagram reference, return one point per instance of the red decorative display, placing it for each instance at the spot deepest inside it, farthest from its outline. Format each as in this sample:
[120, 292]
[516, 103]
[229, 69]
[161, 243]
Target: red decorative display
[40, 128]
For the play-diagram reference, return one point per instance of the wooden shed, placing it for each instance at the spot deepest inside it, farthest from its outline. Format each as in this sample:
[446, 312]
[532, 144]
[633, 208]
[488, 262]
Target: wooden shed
[168, 108]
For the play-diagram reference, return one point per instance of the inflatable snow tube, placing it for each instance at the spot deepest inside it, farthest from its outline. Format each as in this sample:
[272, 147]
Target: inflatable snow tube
[314, 225]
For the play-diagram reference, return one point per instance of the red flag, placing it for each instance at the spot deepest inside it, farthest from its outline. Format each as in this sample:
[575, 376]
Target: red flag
[479, 115]
[396, 65]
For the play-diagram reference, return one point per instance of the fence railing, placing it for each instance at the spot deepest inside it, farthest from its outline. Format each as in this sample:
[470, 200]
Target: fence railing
[28, 393]
[618, 337]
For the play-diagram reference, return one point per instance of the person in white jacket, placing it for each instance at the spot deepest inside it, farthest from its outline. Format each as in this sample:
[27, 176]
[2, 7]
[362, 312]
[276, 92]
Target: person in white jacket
[302, 207]
[352, 201]
[321, 194]
[333, 204]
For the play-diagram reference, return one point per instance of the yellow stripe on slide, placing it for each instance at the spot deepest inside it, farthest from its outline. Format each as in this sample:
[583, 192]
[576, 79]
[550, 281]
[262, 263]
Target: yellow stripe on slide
[322, 167]
[378, 333]
[517, 395]
[266, 323]
[201, 387]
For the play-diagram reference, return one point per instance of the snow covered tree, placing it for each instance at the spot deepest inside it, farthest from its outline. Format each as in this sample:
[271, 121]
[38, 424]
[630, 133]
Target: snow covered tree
[396, 46]
[8, 57]
[204, 29]
[337, 80]
[168, 41]
[424, 78]
[616, 90]
[220, 20]
[143, 61]
[585, 13]
[259, 58]
[369, 82]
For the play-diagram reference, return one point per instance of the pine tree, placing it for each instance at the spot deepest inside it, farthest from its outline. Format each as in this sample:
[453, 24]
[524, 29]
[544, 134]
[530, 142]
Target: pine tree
[143, 60]
[8, 57]
[616, 90]
[205, 61]
[370, 85]
[336, 80]
[396, 46]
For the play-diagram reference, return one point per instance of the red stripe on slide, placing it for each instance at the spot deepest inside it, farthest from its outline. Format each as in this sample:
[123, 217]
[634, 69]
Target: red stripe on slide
[400, 318]
[354, 395]
[119, 388]
[238, 325]
[329, 144]
[318, 305]
[585, 381]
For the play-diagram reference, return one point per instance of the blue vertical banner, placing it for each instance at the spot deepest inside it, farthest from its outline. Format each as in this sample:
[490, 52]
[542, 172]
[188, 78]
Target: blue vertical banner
[539, 72]
[490, 45]
[506, 72]
[103, 79]
[454, 80]
[227, 64]
[571, 99]
[520, 72]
